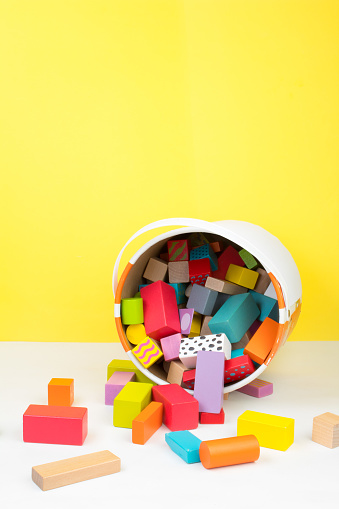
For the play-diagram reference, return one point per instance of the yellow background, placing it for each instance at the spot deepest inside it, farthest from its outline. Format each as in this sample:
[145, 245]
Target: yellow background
[116, 113]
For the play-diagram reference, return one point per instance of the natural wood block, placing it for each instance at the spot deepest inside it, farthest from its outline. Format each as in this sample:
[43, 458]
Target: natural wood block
[326, 430]
[156, 270]
[73, 470]
[205, 330]
[178, 272]
[188, 290]
[243, 342]
[61, 392]
[222, 286]
[175, 372]
[263, 281]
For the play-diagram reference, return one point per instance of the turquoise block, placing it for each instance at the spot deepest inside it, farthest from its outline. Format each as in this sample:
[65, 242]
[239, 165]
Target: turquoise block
[141, 286]
[184, 444]
[237, 353]
[268, 306]
[235, 317]
[180, 289]
[205, 251]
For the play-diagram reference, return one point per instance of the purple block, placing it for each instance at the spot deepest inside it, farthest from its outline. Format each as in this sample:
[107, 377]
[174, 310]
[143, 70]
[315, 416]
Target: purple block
[170, 346]
[186, 317]
[258, 388]
[209, 381]
[115, 384]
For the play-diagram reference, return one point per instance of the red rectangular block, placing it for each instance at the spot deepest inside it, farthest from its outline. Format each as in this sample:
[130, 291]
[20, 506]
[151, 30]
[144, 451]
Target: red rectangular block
[199, 270]
[188, 378]
[230, 255]
[46, 424]
[238, 368]
[181, 410]
[161, 316]
[208, 418]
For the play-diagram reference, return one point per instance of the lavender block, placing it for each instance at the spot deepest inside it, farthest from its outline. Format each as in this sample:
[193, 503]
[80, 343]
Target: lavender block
[115, 384]
[186, 317]
[209, 381]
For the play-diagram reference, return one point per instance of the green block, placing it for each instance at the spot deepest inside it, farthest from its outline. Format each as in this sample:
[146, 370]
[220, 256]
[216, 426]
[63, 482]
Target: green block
[130, 401]
[250, 261]
[126, 365]
[132, 311]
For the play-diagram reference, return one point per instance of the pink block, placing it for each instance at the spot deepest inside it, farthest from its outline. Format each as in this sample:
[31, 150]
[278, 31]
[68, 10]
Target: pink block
[170, 346]
[258, 388]
[115, 384]
[209, 381]
[186, 317]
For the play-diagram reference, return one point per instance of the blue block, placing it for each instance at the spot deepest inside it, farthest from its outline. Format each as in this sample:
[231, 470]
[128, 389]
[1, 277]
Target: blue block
[184, 444]
[179, 292]
[237, 353]
[235, 317]
[205, 251]
[268, 306]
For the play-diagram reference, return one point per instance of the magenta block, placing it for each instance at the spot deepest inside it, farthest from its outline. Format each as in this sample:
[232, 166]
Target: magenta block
[186, 317]
[258, 388]
[115, 384]
[209, 381]
[170, 346]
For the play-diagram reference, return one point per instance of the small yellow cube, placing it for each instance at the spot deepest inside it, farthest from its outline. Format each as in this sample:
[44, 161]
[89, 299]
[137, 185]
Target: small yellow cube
[242, 276]
[147, 352]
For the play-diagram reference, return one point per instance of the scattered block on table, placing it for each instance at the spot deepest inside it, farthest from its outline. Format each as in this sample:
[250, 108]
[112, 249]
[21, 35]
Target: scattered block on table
[197, 239]
[223, 452]
[188, 378]
[196, 325]
[238, 368]
[202, 299]
[179, 289]
[161, 315]
[147, 352]
[61, 392]
[228, 256]
[184, 444]
[115, 384]
[210, 418]
[220, 301]
[188, 290]
[199, 270]
[147, 423]
[235, 317]
[132, 311]
[209, 381]
[270, 292]
[170, 346]
[257, 388]
[205, 251]
[237, 353]
[205, 330]
[178, 272]
[156, 270]
[223, 286]
[325, 430]
[136, 333]
[189, 347]
[72, 470]
[126, 365]
[263, 281]
[272, 431]
[178, 250]
[242, 276]
[47, 424]
[248, 258]
[130, 401]
[268, 306]
[262, 341]
[186, 317]
[181, 410]
[243, 342]
[175, 372]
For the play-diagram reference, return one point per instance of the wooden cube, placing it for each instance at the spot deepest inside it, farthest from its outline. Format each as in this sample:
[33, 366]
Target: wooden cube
[61, 392]
[156, 270]
[178, 272]
[326, 430]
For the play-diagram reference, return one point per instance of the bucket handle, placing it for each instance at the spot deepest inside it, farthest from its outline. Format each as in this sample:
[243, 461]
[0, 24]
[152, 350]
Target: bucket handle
[176, 221]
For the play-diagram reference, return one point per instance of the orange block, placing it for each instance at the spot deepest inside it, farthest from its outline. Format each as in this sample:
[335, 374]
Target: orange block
[261, 343]
[223, 452]
[147, 423]
[61, 392]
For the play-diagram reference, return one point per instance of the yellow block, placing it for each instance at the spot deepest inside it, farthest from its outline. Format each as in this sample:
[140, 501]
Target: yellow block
[130, 401]
[136, 333]
[242, 276]
[271, 431]
[196, 325]
[147, 352]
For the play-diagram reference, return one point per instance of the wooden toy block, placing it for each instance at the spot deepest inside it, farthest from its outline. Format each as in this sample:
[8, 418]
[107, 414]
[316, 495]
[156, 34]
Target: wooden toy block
[164, 257]
[175, 372]
[61, 392]
[238, 368]
[115, 384]
[263, 281]
[209, 418]
[216, 246]
[72, 470]
[205, 251]
[132, 311]
[181, 410]
[188, 290]
[230, 255]
[161, 316]
[170, 347]
[220, 301]
[126, 365]
[268, 306]
[188, 378]
[254, 327]
[197, 239]
[129, 403]
[242, 276]
[223, 452]
[136, 333]
[325, 430]
[178, 272]
[147, 423]
[248, 258]
[179, 289]
[166, 366]
[184, 444]
[156, 270]
[225, 396]
[235, 317]
[189, 347]
[243, 342]
[202, 299]
[205, 330]
[47, 424]
[257, 388]
[237, 353]
[199, 270]
[186, 317]
[147, 352]
[262, 341]
[223, 286]
[209, 381]
[178, 250]
[272, 431]
[196, 325]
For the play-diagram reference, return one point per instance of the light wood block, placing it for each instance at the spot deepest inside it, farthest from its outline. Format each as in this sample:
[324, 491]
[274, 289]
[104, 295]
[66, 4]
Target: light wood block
[263, 281]
[205, 330]
[156, 270]
[326, 430]
[178, 272]
[222, 286]
[175, 372]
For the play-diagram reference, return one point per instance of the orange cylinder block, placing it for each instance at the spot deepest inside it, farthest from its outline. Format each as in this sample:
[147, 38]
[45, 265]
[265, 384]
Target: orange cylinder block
[229, 451]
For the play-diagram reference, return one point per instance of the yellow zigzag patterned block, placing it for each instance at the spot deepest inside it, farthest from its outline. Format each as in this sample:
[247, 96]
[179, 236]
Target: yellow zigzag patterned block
[147, 352]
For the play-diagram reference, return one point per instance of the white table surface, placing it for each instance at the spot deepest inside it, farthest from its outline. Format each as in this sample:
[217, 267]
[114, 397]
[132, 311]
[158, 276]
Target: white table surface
[306, 384]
